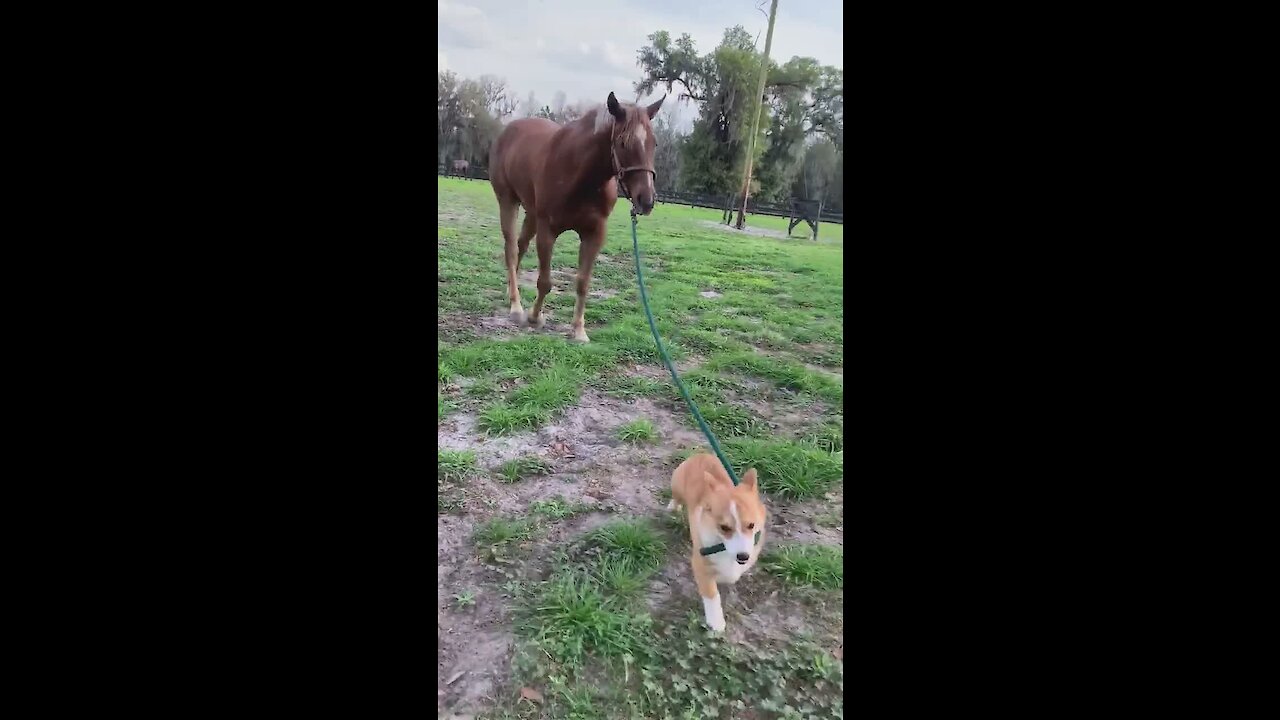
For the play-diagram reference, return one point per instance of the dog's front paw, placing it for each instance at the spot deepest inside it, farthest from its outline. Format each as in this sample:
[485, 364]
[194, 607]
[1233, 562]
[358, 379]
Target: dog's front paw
[714, 615]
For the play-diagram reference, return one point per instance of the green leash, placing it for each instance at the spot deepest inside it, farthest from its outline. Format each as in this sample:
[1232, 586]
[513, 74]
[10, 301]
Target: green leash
[702, 424]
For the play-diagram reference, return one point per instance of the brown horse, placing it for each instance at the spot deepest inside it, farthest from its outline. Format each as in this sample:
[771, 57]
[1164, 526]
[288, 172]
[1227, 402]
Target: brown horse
[564, 177]
[462, 167]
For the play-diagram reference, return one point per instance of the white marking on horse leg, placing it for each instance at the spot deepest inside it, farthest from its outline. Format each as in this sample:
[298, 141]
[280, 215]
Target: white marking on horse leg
[578, 332]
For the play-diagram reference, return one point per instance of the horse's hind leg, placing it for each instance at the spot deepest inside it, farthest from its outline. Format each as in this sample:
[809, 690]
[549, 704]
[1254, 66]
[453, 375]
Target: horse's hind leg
[526, 233]
[546, 241]
[507, 215]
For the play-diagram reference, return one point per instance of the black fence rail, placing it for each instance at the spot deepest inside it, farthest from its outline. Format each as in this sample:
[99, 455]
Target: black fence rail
[713, 202]
[470, 173]
[724, 203]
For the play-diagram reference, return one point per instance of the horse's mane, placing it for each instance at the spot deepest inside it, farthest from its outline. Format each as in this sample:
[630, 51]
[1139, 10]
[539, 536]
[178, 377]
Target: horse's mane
[604, 119]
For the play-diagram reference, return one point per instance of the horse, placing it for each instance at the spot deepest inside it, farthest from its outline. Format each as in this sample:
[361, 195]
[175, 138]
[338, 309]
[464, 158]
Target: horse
[564, 177]
[462, 167]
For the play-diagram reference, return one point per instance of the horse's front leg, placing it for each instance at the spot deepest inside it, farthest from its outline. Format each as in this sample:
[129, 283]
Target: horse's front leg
[588, 249]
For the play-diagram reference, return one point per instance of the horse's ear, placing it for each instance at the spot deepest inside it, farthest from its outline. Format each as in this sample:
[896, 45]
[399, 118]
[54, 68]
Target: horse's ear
[653, 109]
[614, 108]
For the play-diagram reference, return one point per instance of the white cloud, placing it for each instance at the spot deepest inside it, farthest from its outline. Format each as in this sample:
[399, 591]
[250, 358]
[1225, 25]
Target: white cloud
[587, 48]
[441, 62]
[462, 25]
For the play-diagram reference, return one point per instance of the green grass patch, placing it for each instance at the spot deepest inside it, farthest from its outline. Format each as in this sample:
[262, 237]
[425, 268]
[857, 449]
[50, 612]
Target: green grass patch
[820, 566]
[558, 387]
[631, 386]
[557, 508]
[572, 615]
[445, 407]
[829, 437]
[637, 432]
[526, 467]
[634, 539]
[785, 374]
[524, 356]
[455, 465]
[553, 389]
[503, 419]
[500, 531]
[728, 420]
[786, 469]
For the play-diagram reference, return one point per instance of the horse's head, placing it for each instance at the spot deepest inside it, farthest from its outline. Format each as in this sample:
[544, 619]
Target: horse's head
[633, 146]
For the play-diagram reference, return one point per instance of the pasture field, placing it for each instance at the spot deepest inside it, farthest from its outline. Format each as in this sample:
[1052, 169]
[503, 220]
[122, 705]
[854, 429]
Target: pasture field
[564, 586]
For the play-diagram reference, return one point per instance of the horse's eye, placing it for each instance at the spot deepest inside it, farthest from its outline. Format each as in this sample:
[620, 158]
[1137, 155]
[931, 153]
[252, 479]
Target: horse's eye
[751, 526]
[725, 529]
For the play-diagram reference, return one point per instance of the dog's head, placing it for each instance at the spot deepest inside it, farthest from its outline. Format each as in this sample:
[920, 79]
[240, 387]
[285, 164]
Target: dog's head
[733, 516]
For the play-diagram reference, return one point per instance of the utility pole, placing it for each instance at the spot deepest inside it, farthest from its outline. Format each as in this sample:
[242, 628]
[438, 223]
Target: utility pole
[755, 121]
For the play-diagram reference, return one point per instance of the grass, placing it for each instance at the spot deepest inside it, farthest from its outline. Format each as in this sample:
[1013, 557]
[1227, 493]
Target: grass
[557, 508]
[500, 531]
[455, 465]
[503, 419]
[598, 653]
[513, 471]
[829, 437]
[591, 636]
[819, 566]
[631, 386]
[637, 432]
[786, 469]
[634, 539]
[572, 615]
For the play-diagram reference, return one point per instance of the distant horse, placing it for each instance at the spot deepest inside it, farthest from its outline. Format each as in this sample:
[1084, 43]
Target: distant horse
[564, 176]
[461, 167]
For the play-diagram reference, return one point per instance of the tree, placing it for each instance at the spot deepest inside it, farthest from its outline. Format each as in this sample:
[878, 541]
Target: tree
[468, 123]
[802, 97]
[723, 84]
[820, 175]
[666, 160]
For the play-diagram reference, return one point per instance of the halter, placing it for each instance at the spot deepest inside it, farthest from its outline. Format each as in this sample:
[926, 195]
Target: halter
[617, 166]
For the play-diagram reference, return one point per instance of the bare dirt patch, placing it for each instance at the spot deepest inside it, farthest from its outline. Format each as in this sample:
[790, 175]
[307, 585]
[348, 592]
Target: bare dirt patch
[759, 232]
[474, 639]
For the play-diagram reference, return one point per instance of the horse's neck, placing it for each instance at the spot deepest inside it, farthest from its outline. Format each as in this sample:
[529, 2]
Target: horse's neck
[592, 162]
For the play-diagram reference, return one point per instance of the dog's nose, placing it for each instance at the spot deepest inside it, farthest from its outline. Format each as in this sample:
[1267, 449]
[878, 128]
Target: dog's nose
[743, 557]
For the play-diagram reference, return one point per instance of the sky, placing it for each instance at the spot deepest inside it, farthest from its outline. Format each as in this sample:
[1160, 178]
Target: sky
[587, 48]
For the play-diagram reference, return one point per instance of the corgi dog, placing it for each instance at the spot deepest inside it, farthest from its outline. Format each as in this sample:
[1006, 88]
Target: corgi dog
[726, 524]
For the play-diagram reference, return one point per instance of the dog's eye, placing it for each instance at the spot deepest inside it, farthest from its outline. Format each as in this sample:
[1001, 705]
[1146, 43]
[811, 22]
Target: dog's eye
[725, 529]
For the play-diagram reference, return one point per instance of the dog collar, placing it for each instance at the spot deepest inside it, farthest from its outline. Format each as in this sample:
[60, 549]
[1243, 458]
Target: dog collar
[719, 547]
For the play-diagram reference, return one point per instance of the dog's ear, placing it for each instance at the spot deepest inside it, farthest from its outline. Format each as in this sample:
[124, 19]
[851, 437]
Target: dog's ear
[749, 481]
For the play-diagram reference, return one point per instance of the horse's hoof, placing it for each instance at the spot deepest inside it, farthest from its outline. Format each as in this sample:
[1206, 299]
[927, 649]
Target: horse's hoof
[538, 322]
[517, 316]
[580, 336]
